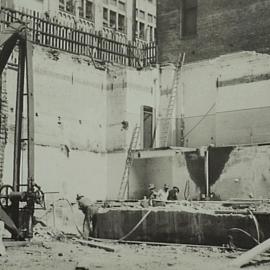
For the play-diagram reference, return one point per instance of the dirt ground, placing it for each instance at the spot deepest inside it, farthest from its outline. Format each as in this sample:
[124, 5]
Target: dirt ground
[67, 255]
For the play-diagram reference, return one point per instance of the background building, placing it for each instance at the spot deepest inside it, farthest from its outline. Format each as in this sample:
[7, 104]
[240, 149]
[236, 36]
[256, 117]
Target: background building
[121, 19]
[207, 29]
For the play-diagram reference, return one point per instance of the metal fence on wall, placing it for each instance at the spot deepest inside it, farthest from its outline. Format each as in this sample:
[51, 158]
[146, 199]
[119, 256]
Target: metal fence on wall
[46, 31]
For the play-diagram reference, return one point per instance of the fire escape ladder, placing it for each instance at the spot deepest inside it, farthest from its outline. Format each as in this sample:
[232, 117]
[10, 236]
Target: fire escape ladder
[165, 124]
[124, 187]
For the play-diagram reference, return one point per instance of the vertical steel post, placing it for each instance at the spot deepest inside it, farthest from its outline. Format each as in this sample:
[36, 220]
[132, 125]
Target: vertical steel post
[18, 130]
[30, 132]
[207, 193]
[30, 113]
[18, 118]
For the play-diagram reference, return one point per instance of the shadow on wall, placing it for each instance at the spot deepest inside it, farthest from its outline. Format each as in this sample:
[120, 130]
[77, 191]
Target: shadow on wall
[195, 165]
[218, 157]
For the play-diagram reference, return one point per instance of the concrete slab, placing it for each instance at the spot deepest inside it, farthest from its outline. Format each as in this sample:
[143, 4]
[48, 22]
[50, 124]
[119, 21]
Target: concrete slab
[181, 225]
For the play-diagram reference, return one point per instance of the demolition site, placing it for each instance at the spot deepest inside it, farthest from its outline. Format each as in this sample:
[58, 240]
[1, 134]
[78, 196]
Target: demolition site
[134, 134]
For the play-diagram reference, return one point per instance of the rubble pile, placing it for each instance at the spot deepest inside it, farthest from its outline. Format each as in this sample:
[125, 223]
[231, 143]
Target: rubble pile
[45, 233]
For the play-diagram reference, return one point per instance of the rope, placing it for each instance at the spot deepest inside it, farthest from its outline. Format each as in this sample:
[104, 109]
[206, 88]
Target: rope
[203, 117]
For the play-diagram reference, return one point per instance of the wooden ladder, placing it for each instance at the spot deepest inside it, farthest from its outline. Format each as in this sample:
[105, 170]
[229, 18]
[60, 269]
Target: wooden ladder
[165, 127]
[124, 187]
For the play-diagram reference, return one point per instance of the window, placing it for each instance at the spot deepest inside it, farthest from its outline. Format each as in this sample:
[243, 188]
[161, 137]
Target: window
[121, 22]
[150, 18]
[70, 6]
[189, 26]
[105, 17]
[113, 19]
[151, 33]
[142, 14]
[86, 9]
[81, 8]
[147, 127]
[62, 5]
[122, 5]
[89, 10]
[141, 30]
[113, 2]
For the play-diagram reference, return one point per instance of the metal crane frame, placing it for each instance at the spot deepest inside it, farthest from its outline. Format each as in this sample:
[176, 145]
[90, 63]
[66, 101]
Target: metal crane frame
[18, 201]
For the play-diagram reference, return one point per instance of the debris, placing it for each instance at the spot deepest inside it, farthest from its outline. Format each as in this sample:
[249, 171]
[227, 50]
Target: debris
[96, 245]
[81, 266]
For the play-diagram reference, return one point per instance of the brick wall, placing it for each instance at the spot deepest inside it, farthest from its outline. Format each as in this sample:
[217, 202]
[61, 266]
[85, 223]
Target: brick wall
[223, 26]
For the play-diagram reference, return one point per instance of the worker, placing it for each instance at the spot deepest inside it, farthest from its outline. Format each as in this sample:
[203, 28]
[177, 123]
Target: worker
[90, 214]
[163, 193]
[152, 194]
[173, 194]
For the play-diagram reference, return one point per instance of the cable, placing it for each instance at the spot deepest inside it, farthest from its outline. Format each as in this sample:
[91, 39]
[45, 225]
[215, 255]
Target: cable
[256, 224]
[246, 233]
[187, 190]
[203, 117]
[136, 226]
[91, 238]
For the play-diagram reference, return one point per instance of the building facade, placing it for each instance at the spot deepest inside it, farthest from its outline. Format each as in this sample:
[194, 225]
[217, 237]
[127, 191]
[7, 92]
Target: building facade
[207, 29]
[122, 19]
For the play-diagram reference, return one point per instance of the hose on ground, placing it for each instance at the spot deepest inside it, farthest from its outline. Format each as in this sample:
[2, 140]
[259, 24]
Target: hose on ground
[246, 233]
[256, 225]
[136, 226]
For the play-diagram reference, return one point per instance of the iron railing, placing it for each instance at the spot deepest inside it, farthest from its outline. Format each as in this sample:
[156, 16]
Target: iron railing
[64, 36]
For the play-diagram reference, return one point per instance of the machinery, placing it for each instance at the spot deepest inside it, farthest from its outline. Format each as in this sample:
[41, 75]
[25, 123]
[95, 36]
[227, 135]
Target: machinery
[17, 201]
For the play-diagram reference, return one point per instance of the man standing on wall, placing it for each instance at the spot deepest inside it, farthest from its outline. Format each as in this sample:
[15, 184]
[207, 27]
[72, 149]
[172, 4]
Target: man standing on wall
[173, 194]
[152, 194]
[163, 193]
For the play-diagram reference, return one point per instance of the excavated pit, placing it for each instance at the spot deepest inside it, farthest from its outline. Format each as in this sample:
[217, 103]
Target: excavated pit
[190, 224]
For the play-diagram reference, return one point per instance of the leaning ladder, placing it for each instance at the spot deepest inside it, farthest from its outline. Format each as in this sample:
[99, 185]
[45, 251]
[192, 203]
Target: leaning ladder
[129, 161]
[165, 127]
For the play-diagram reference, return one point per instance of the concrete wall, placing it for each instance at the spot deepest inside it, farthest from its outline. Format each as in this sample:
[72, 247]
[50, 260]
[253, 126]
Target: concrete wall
[223, 26]
[225, 101]
[245, 175]
[170, 170]
[80, 142]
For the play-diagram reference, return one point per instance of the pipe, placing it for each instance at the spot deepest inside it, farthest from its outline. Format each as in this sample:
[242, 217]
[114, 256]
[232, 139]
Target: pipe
[207, 193]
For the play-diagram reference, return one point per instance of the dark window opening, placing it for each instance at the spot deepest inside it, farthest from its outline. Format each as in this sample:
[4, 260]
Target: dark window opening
[105, 17]
[81, 8]
[70, 6]
[150, 33]
[147, 127]
[121, 23]
[89, 10]
[62, 5]
[141, 30]
[189, 26]
[113, 20]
